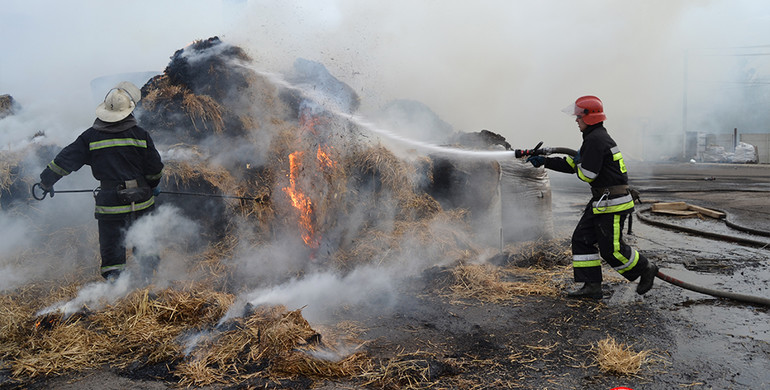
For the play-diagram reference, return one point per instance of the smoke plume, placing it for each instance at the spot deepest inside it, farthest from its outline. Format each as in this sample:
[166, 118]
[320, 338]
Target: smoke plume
[507, 66]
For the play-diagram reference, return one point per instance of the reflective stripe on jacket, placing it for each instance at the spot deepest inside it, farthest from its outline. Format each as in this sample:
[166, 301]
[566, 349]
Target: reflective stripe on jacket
[117, 152]
[601, 165]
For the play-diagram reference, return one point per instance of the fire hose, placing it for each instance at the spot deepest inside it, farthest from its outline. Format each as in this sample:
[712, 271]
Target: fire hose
[94, 191]
[544, 151]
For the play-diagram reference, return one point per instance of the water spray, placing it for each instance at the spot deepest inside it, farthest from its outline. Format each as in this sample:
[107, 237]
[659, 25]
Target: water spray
[538, 150]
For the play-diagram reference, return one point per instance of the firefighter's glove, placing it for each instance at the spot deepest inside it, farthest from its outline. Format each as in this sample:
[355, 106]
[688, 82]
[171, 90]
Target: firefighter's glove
[47, 180]
[47, 190]
[536, 161]
[156, 191]
[577, 158]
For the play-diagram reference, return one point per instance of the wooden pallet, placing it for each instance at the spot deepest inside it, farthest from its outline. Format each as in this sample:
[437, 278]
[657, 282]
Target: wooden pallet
[682, 209]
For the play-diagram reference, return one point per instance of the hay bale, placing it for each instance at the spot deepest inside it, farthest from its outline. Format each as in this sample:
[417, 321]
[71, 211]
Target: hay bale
[377, 170]
[202, 178]
[207, 89]
[465, 184]
[8, 106]
[15, 178]
[205, 67]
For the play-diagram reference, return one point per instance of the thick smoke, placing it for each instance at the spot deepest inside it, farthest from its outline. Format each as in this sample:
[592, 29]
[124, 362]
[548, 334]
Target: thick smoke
[507, 66]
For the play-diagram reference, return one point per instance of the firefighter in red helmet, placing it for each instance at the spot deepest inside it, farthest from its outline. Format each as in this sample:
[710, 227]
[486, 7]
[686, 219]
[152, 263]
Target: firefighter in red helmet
[598, 234]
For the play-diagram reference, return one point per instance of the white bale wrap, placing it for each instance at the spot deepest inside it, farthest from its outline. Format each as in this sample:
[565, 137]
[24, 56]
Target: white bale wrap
[525, 202]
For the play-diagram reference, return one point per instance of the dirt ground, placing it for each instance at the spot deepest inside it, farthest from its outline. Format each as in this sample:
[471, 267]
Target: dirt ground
[696, 341]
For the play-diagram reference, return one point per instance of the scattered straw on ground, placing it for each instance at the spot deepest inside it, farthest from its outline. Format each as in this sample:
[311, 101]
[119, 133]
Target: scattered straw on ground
[412, 371]
[280, 342]
[617, 358]
[491, 284]
[540, 253]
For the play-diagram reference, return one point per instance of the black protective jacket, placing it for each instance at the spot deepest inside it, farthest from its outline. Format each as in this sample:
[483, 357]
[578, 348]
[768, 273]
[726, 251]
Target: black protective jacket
[600, 163]
[117, 152]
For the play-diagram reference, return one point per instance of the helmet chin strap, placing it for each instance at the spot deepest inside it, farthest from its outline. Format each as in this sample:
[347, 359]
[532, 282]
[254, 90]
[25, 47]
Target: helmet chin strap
[120, 89]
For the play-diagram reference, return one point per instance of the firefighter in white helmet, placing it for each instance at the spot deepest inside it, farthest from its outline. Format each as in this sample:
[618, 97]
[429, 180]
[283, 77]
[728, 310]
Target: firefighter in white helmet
[598, 234]
[124, 159]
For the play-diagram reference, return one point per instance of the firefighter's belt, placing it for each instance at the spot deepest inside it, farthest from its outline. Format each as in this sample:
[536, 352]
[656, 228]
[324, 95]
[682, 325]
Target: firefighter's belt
[121, 184]
[610, 191]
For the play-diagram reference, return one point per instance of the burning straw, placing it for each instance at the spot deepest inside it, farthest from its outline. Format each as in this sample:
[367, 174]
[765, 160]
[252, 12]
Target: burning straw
[271, 342]
[141, 328]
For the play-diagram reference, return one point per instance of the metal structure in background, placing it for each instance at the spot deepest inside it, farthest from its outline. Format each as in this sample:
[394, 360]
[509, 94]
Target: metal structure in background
[690, 138]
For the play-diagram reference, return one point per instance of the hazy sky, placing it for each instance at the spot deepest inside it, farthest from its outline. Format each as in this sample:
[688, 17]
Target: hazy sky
[505, 65]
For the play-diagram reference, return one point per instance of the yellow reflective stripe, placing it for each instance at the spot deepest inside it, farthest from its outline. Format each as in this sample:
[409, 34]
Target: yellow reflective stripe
[585, 175]
[591, 260]
[57, 169]
[619, 158]
[587, 263]
[113, 267]
[570, 161]
[614, 209]
[627, 265]
[154, 177]
[108, 143]
[613, 205]
[125, 208]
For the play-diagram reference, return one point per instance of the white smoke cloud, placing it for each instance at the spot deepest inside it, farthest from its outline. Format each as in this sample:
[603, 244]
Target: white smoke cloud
[94, 296]
[167, 234]
[503, 65]
[163, 228]
[507, 66]
[322, 293]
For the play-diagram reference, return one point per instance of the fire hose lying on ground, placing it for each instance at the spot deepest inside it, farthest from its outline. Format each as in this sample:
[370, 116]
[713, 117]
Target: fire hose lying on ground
[544, 151]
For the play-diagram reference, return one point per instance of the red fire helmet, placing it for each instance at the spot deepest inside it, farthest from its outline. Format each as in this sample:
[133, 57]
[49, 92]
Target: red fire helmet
[590, 108]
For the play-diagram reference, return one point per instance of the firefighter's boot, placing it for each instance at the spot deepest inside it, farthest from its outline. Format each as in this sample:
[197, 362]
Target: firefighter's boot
[111, 275]
[591, 290]
[647, 278]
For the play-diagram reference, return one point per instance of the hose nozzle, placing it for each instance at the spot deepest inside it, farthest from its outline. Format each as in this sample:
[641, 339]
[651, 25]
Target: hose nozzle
[519, 153]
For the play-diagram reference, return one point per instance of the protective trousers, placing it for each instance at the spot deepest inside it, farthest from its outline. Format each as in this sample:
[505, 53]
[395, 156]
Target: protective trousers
[605, 232]
[112, 235]
[111, 245]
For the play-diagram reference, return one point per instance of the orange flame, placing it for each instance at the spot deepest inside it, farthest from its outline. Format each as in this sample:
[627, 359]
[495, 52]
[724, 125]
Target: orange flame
[323, 157]
[309, 122]
[301, 202]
